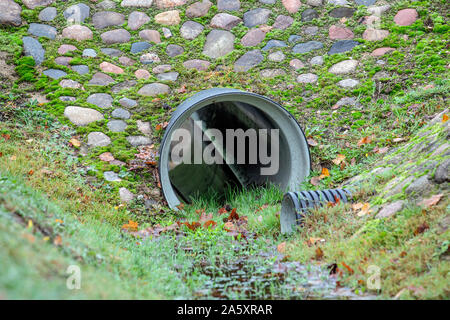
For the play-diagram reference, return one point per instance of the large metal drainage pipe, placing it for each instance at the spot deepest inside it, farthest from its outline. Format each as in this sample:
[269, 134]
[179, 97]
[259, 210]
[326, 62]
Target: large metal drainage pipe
[295, 205]
[213, 113]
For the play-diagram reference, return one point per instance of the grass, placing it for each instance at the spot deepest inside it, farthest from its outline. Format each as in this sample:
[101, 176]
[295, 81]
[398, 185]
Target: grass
[49, 173]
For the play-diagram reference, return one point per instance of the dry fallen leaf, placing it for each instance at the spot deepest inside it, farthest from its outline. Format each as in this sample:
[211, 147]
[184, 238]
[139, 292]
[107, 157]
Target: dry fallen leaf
[281, 247]
[75, 142]
[428, 203]
[210, 223]
[315, 181]
[444, 118]
[130, 226]
[421, 228]
[340, 158]
[319, 253]
[364, 210]
[364, 140]
[396, 140]
[106, 156]
[325, 173]
[57, 241]
[312, 241]
[312, 142]
[346, 266]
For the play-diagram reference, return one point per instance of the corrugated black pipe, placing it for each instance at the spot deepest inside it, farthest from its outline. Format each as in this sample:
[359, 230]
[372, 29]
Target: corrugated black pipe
[296, 204]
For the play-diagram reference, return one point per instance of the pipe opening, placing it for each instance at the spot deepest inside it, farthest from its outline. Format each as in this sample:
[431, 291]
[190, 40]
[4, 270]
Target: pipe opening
[236, 164]
[225, 139]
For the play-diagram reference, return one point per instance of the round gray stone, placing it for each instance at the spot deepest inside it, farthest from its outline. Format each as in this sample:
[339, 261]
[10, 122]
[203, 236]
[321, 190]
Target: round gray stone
[136, 141]
[343, 46]
[42, 30]
[121, 114]
[48, 14]
[98, 139]
[10, 13]
[174, 50]
[127, 102]
[33, 48]
[365, 2]
[111, 52]
[89, 53]
[77, 13]
[137, 19]
[111, 176]
[117, 125]
[191, 30]
[307, 78]
[104, 19]
[274, 44]
[228, 5]
[154, 89]
[168, 76]
[82, 116]
[139, 47]
[101, 79]
[218, 43]
[115, 36]
[101, 100]
[317, 60]
[342, 12]
[54, 73]
[348, 83]
[80, 69]
[307, 46]
[256, 17]
[294, 38]
[309, 15]
[276, 56]
[248, 61]
[442, 172]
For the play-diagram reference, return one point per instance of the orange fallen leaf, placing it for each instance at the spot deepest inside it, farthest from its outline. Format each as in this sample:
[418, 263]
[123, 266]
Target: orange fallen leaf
[319, 253]
[75, 142]
[421, 228]
[210, 223]
[233, 215]
[346, 266]
[59, 221]
[325, 173]
[31, 172]
[57, 241]
[444, 118]
[364, 140]
[340, 158]
[312, 241]
[281, 247]
[428, 203]
[364, 210]
[130, 226]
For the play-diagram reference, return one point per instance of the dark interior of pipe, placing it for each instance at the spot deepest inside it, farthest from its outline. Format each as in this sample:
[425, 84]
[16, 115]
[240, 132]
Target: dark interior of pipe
[191, 180]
